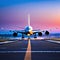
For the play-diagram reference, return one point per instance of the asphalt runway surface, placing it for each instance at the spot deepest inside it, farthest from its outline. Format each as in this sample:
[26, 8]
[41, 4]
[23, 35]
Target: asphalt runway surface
[30, 50]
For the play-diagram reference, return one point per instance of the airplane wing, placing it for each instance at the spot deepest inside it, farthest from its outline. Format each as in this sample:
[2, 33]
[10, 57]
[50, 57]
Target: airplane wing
[23, 31]
[18, 31]
[46, 32]
[37, 31]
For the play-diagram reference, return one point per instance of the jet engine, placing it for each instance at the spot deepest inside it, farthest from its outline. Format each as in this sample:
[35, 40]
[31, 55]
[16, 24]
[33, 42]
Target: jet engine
[15, 34]
[46, 33]
[40, 33]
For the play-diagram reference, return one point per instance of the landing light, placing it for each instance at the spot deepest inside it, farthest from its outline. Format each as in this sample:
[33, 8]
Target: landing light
[28, 34]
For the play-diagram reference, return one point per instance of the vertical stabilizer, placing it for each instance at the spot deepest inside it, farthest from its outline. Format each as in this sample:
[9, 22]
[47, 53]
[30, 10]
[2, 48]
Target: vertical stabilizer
[28, 19]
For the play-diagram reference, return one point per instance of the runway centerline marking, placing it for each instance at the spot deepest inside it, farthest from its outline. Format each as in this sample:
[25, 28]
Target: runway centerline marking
[28, 54]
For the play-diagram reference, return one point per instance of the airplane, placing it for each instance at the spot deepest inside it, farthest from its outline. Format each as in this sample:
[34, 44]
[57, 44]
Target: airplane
[28, 30]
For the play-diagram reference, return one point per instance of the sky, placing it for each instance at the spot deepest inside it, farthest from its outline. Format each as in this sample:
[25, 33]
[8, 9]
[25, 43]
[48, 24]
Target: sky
[44, 14]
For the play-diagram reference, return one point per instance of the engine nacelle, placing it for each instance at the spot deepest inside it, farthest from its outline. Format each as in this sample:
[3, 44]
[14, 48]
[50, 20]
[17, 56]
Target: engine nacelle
[15, 34]
[46, 33]
[40, 33]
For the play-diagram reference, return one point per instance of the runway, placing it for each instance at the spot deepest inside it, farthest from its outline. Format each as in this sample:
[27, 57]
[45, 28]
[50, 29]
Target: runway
[30, 50]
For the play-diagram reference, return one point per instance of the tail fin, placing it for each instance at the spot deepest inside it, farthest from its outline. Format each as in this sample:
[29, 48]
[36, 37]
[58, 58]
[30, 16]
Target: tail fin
[28, 19]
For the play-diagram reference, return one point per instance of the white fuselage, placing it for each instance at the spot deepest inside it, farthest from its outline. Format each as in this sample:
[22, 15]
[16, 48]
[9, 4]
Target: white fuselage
[29, 30]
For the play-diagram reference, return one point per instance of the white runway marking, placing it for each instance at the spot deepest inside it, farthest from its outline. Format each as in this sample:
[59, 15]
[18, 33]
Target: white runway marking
[53, 41]
[30, 51]
[6, 42]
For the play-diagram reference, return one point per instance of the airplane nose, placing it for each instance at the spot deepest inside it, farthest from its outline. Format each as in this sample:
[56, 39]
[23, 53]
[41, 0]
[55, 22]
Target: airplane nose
[30, 33]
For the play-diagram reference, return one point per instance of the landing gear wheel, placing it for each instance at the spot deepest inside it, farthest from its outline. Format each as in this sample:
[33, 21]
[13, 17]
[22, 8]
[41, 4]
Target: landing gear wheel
[35, 36]
[22, 36]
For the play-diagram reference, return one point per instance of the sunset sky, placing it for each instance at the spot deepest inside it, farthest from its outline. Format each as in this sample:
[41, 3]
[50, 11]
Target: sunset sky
[45, 14]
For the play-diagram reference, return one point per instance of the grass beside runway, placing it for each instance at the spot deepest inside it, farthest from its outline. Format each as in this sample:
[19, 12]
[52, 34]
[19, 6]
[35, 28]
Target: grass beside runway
[7, 39]
[3, 40]
[56, 39]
